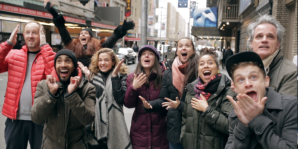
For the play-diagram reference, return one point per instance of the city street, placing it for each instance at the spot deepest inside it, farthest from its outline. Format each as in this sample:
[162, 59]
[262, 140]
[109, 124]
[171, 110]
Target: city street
[3, 82]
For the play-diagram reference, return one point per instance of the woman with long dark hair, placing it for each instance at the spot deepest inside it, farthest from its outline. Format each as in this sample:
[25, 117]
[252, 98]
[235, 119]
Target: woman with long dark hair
[180, 71]
[108, 75]
[147, 129]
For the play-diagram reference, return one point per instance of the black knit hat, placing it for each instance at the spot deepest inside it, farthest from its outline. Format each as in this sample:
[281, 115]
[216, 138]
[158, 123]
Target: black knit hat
[69, 53]
[89, 30]
[247, 56]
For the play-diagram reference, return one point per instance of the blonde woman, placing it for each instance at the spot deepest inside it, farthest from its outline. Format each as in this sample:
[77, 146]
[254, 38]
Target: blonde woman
[108, 75]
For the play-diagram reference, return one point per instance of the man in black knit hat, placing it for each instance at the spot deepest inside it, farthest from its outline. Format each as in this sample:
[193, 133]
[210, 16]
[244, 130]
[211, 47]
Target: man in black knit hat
[64, 103]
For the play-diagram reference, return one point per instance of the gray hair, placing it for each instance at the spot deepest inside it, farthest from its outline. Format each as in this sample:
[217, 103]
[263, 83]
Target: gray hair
[280, 30]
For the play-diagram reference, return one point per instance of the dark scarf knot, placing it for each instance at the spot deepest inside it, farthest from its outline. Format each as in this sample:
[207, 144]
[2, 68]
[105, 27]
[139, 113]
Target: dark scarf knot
[208, 88]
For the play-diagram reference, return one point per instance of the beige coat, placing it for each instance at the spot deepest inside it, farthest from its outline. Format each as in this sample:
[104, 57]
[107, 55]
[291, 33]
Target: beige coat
[283, 75]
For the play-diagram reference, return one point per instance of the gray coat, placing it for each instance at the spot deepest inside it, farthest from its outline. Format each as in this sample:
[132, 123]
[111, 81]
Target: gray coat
[275, 128]
[283, 75]
[207, 130]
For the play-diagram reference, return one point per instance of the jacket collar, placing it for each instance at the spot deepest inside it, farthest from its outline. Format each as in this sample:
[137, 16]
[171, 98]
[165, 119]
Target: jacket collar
[273, 99]
[55, 75]
[275, 60]
[224, 81]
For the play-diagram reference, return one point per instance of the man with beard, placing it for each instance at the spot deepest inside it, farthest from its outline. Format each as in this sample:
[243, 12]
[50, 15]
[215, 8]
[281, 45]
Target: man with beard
[262, 118]
[26, 67]
[85, 45]
[65, 104]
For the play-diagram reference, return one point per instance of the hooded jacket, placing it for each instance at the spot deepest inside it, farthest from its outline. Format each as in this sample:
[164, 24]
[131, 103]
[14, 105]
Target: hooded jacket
[14, 61]
[64, 115]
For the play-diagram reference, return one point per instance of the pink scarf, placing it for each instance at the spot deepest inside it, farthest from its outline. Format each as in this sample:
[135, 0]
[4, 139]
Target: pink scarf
[178, 77]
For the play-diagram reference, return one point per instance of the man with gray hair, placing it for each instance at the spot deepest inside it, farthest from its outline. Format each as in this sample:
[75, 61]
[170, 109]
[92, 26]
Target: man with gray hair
[265, 38]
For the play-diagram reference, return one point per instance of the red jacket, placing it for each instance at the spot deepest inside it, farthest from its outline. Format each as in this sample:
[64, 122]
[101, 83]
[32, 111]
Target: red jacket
[148, 130]
[15, 62]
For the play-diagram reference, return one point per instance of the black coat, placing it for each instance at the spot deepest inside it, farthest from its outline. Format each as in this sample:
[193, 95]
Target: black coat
[227, 54]
[174, 116]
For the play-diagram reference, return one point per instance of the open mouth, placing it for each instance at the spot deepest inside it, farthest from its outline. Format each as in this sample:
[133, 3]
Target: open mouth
[207, 73]
[264, 47]
[252, 95]
[63, 73]
[83, 39]
[147, 62]
[184, 54]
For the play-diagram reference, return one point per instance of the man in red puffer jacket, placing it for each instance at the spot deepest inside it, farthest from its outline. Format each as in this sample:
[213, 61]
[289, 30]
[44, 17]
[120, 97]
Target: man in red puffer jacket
[26, 67]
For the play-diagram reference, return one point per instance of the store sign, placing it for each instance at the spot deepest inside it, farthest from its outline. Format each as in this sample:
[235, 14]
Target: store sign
[182, 3]
[102, 25]
[74, 20]
[25, 11]
[128, 8]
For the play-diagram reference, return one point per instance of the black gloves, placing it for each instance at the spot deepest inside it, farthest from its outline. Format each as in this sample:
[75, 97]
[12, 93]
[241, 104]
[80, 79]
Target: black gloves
[51, 10]
[121, 30]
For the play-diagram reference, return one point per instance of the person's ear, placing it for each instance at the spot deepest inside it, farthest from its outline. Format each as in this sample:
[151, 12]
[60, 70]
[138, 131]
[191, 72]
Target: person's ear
[233, 86]
[278, 46]
[267, 81]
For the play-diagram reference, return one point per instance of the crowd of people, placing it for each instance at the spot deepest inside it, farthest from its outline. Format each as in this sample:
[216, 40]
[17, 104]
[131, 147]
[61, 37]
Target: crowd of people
[74, 99]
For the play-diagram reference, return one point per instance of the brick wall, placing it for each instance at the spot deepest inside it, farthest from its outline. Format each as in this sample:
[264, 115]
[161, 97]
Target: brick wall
[281, 12]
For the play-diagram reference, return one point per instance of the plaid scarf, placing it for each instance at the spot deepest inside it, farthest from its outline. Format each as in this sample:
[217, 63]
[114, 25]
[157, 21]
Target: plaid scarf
[208, 88]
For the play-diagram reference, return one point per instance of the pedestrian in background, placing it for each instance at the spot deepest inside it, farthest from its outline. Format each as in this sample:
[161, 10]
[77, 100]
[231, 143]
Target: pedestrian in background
[223, 61]
[25, 67]
[228, 53]
[181, 71]
[147, 129]
[108, 75]
[85, 45]
[206, 109]
[64, 103]
[265, 38]
[219, 56]
[136, 48]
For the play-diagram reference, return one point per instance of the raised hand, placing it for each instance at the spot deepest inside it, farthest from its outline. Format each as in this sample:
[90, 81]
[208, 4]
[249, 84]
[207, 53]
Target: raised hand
[117, 68]
[145, 103]
[84, 69]
[238, 111]
[45, 3]
[139, 80]
[14, 35]
[127, 25]
[74, 83]
[171, 103]
[249, 107]
[52, 84]
[42, 36]
[200, 105]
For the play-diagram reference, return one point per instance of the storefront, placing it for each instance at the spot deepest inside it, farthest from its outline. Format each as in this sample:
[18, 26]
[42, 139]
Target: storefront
[11, 15]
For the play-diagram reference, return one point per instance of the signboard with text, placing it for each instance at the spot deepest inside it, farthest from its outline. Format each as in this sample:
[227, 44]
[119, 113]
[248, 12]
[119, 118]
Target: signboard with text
[182, 3]
[102, 25]
[35, 13]
[128, 8]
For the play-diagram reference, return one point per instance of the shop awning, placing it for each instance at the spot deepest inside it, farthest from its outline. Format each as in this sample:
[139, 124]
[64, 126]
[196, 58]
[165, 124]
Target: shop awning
[132, 39]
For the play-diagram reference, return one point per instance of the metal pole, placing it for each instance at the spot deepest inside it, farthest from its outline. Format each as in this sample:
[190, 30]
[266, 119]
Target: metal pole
[144, 23]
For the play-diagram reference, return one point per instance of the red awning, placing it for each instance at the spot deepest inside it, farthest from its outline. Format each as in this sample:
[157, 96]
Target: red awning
[132, 39]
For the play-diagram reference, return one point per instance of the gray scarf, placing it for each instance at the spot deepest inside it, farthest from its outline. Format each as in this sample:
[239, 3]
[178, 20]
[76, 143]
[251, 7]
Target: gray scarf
[109, 117]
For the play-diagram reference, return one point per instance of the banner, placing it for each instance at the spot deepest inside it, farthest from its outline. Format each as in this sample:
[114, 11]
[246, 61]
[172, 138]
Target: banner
[128, 8]
[192, 8]
[205, 17]
[182, 3]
